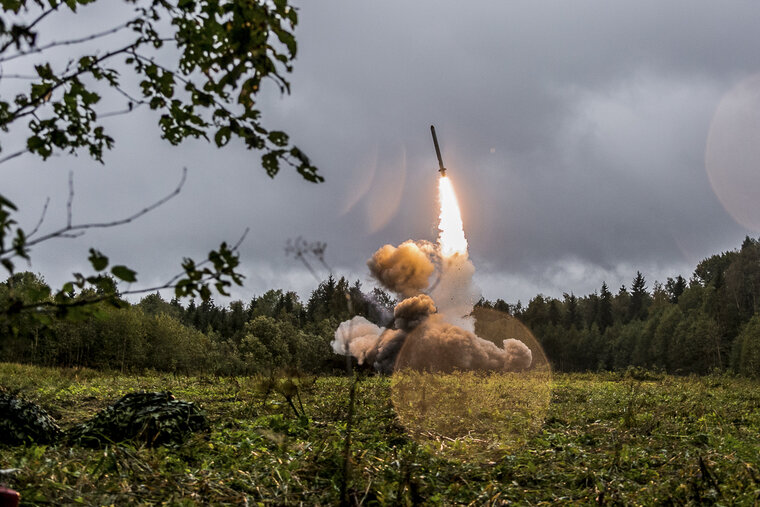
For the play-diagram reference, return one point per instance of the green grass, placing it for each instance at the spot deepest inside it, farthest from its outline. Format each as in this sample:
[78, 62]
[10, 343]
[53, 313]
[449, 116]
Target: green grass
[604, 438]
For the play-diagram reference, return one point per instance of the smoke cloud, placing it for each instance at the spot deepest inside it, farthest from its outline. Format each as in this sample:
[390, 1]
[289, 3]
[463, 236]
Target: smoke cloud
[357, 337]
[412, 311]
[434, 330]
[404, 270]
[438, 346]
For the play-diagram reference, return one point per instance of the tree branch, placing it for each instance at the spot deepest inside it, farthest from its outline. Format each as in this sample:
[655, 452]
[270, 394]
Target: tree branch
[64, 43]
[42, 218]
[170, 284]
[101, 225]
[74, 231]
[18, 76]
[25, 110]
[12, 156]
[28, 28]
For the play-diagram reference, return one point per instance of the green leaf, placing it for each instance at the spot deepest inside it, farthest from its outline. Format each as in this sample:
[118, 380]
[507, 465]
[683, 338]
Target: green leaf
[8, 204]
[222, 136]
[124, 273]
[278, 138]
[7, 264]
[44, 71]
[98, 260]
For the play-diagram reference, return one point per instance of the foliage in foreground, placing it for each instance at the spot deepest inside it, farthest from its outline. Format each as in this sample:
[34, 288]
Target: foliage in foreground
[606, 438]
[200, 66]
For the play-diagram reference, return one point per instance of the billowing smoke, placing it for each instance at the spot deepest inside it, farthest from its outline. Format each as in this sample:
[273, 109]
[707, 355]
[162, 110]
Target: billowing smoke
[412, 311]
[404, 270]
[433, 327]
[357, 337]
[439, 346]
[454, 293]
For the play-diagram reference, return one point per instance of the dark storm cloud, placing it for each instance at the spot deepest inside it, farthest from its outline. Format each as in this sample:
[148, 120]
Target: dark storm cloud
[574, 133]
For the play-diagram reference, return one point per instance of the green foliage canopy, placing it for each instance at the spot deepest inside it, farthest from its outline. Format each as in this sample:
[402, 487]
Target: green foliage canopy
[199, 64]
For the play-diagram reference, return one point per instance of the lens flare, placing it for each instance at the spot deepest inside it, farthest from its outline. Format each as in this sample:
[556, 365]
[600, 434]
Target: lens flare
[451, 236]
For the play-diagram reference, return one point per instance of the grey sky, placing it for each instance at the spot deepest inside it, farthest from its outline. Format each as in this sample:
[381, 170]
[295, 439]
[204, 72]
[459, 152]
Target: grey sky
[575, 134]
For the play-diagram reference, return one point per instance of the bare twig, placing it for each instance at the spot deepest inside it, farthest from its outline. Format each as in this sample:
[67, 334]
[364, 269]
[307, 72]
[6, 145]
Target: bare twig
[68, 42]
[31, 25]
[42, 218]
[42, 16]
[170, 284]
[18, 76]
[72, 230]
[70, 200]
[12, 156]
[128, 110]
[129, 97]
[302, 249]
[101, 225]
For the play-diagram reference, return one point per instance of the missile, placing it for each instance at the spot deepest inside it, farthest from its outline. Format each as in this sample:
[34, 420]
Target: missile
[442, 169]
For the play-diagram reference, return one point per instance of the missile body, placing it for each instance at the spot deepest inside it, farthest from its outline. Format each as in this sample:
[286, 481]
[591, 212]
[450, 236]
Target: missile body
[442, 169]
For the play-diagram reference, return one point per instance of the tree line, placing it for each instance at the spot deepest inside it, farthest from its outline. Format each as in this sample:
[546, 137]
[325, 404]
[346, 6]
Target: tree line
[710, 322]
[273, 332]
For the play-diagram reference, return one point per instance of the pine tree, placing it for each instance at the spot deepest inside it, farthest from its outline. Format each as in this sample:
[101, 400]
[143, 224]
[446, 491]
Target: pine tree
[639, 298]
[604, 317]
[675, 287]
[572, 317]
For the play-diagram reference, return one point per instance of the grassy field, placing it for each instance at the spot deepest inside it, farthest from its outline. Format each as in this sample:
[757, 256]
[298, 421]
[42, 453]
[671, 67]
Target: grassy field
[606, 439]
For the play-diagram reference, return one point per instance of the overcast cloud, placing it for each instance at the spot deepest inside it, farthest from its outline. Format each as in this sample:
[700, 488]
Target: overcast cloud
[575, 134]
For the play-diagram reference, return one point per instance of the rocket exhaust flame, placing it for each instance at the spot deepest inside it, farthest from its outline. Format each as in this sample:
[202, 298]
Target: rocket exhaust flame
[451, 238]
[451, 231]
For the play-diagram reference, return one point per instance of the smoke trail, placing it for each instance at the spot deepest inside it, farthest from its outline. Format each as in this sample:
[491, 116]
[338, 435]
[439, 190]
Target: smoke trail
[454, 293]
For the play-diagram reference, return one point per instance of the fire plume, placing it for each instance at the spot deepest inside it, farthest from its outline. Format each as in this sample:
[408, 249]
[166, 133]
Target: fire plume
[451, 236]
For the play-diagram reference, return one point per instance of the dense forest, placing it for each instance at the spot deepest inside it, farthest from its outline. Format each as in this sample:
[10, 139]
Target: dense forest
[710, 322]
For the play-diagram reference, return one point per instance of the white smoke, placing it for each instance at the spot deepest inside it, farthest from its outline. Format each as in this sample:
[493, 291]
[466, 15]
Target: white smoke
[357, 337]
[454, 293]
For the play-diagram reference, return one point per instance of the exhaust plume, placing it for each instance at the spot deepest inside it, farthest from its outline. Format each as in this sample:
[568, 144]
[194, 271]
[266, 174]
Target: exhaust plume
[434, 330]
[451, 230]
[411, 312]
[437, 346]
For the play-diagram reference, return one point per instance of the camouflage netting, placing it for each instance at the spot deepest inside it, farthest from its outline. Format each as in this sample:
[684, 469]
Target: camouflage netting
[23, 422]
[151, 418]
